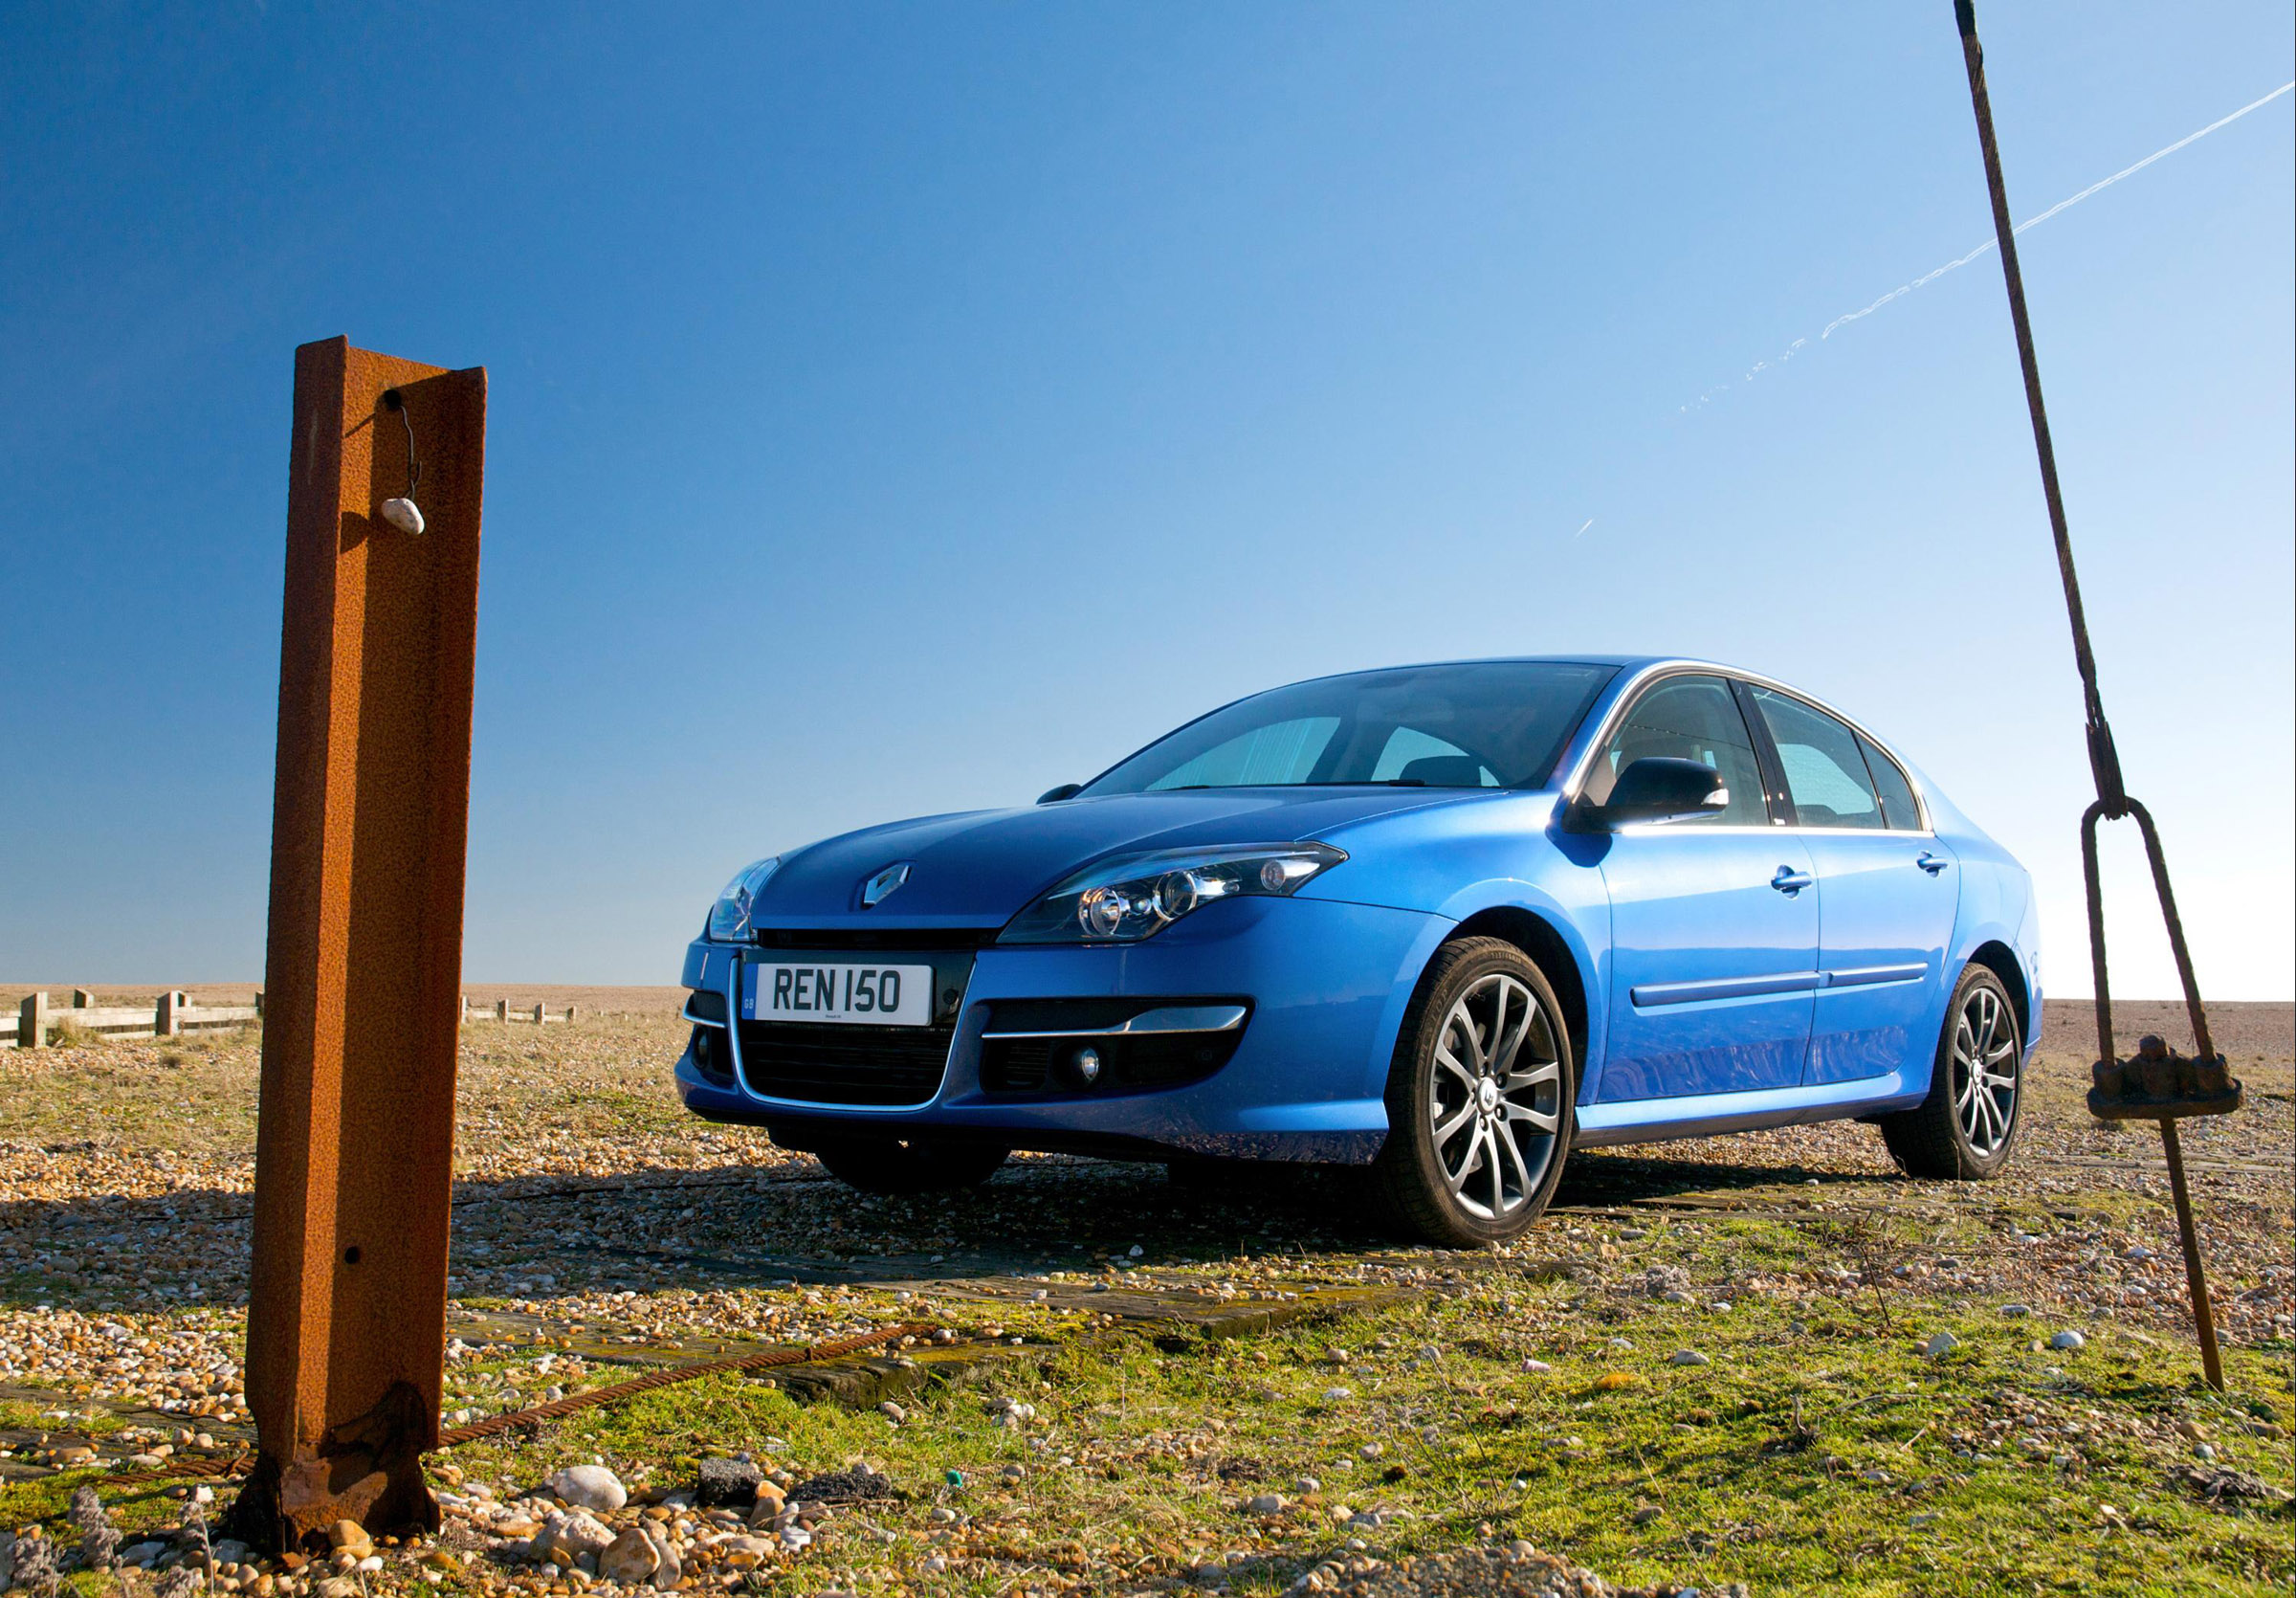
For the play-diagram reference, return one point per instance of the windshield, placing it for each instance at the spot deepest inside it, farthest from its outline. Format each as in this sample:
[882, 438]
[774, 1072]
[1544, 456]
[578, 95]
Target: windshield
[1493, 724]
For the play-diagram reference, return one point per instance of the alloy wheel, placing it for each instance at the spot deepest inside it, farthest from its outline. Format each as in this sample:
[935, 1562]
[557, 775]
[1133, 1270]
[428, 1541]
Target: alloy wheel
[1984, 1070]
[1497, 1098]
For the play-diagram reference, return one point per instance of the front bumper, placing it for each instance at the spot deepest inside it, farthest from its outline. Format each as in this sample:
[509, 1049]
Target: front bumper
[1327, 984]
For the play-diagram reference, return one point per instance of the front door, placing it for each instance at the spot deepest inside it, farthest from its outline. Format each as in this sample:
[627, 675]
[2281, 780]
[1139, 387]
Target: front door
[1714, 920]
[1890, 894]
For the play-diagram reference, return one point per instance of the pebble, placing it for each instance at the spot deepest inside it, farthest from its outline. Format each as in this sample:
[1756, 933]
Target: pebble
[2017, 1310]
[629, 1559]
[592, 1487]
[1688, 1356]
[1940, 1345]
[1267, 1503]
[2067, 1338]
[1537, 1367]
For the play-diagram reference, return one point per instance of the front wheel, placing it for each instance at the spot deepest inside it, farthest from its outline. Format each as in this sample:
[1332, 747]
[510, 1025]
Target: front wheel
[1479, 1098]
[907, 1166]
[1964, 1129]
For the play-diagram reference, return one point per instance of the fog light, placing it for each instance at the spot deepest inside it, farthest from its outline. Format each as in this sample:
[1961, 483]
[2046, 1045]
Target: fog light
[1085, 1066]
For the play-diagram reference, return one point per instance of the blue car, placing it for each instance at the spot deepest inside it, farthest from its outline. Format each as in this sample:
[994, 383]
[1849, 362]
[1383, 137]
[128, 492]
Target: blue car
[1445, 921]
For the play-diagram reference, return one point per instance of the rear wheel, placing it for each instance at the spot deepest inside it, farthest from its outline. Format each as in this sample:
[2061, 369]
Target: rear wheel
[1964, 1129]
[1479, 1098]
[923, 1164]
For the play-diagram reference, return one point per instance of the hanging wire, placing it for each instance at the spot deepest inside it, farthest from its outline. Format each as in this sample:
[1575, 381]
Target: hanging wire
[394, 401]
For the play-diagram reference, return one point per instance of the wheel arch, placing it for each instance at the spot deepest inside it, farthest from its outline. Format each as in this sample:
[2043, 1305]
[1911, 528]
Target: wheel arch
[1550, 951]
[1997, 957]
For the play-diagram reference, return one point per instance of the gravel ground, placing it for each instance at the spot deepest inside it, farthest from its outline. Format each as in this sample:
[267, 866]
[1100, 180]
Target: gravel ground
[587, 1199]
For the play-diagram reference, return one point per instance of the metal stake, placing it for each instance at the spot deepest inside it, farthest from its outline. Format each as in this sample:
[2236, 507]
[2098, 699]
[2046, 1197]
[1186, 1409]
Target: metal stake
[2195, 1278]
[2104, 759]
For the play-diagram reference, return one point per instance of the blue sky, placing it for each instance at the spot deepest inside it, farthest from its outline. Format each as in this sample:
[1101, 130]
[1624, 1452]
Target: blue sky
[898, 410]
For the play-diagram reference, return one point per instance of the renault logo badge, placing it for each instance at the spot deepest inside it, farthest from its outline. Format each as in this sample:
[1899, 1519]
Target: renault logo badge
[875, 889]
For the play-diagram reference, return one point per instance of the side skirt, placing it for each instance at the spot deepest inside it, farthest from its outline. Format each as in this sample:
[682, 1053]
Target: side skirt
[1650, 1120]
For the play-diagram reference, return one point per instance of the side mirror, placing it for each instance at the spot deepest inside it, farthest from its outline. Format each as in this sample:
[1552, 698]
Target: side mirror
[1065, 791]
[1658, 787]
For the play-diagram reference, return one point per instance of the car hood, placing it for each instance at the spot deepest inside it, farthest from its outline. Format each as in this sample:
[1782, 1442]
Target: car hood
[980, 868]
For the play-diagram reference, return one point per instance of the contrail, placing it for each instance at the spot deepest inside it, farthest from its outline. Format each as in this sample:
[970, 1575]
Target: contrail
[1582, 527]
[2067, 204]
[1928, 277]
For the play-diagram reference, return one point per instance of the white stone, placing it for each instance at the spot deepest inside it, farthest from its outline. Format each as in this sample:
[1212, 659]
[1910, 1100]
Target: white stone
[1686, 1356]
[1940, 1345]
[2067, 1338]
[592, 1487]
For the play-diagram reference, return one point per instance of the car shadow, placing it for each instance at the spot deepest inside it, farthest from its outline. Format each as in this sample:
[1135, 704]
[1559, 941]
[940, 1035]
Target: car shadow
[654, 1229]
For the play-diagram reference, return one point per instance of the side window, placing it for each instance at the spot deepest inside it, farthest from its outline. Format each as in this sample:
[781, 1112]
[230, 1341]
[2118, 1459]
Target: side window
[1688, 718]
[1898, 808]
[1825, 773]
[1413, 756]
[1282, 752]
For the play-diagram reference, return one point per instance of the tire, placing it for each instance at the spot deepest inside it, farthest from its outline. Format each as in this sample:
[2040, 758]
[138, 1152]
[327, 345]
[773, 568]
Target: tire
[1960, 1132]
[1455, 1127]
[899, 1166]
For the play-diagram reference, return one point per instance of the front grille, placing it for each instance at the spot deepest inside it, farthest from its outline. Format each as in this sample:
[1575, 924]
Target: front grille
[844, 1065]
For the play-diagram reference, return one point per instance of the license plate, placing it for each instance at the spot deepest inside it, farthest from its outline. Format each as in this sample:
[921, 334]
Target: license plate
[847, 996]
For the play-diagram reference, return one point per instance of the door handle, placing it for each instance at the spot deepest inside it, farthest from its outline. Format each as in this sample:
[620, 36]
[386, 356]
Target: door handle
[1789, 881]
[1933, 863]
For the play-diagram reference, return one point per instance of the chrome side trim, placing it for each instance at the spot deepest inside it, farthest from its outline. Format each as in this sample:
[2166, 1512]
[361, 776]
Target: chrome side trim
[1652, 994]
[1867, 976]
[1176, 1018]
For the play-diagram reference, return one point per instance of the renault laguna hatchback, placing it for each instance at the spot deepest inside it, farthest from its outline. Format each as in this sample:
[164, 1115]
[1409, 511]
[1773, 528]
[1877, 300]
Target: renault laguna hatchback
[1445, 922]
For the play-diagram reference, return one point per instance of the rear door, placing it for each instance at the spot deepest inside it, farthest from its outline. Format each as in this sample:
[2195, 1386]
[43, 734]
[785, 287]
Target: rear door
[1713, 918]
[1888, 891]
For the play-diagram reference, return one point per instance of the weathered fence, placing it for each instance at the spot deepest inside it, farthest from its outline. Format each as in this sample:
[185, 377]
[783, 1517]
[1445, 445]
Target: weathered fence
[537, 1015]
[38, 1023]
[41, 1024]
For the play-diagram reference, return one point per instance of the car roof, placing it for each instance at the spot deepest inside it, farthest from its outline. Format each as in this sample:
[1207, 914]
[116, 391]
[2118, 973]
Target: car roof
[1625, 662]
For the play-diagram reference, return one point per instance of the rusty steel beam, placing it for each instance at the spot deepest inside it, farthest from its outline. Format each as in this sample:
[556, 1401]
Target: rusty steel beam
[362, 982]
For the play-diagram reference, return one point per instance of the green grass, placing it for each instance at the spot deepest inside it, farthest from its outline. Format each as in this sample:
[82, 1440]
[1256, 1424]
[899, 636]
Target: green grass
[1817, 1454]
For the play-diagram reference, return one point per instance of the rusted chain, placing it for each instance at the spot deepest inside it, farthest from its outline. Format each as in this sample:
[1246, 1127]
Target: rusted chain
[494, 1425]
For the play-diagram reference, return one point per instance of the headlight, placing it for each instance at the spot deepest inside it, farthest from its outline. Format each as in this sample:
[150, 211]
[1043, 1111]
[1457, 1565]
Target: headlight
[729, 916]
[1136, 895]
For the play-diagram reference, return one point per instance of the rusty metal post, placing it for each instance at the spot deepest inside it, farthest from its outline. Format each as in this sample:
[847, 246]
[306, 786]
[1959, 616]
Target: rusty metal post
[354, 1149]
[2204, 1321]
